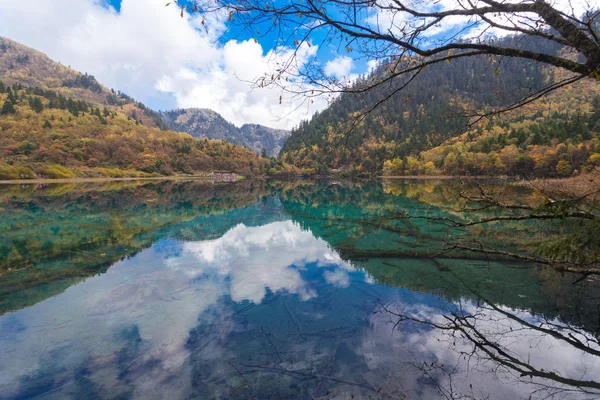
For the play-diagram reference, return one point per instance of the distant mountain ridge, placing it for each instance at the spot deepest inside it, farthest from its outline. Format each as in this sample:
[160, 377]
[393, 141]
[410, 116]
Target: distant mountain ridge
[206, 123]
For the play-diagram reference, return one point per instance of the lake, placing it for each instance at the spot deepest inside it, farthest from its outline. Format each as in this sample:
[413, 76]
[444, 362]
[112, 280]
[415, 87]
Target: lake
[281, 290]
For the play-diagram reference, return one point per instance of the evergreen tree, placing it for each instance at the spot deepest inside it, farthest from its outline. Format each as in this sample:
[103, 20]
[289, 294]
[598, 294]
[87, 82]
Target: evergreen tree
[8, 108]
[537, 138]
[36, 104]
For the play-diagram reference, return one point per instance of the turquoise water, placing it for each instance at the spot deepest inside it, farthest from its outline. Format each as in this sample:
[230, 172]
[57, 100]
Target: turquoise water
[273, 290]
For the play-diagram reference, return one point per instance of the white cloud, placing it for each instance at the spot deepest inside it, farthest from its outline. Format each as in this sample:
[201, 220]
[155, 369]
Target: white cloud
[371, 65]
[227, 84]
[338, 278]
[339, 67]
[148, 51]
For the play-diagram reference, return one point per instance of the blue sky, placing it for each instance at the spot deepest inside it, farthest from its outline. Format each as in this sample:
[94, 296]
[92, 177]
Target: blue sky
[116, 4]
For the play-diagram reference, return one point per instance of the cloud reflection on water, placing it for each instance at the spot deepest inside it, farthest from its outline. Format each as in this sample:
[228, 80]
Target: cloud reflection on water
[165, 324]
[460, 355]
[254, 259]
[159, 295]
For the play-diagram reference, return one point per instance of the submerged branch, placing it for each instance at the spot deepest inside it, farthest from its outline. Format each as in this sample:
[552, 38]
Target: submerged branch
[308, 375]
[587, 270]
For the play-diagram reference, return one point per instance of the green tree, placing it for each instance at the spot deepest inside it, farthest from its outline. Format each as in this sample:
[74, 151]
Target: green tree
[36, 104]
[451, 163]
[8, 108]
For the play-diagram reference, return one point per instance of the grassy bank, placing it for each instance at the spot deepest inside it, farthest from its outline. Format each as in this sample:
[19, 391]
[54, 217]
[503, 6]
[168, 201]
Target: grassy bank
[576, 186]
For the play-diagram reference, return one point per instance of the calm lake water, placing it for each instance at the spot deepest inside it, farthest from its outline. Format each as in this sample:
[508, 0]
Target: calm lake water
[272, 290]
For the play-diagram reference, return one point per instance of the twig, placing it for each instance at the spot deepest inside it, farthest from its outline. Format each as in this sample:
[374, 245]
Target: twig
[272, 345]
[300, 330]
[243, 377]
[309, 375]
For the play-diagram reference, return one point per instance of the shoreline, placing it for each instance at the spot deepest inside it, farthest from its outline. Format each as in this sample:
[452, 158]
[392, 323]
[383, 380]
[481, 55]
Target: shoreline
[208, 178]
[445, 177]
[419, 177]
[106, 179]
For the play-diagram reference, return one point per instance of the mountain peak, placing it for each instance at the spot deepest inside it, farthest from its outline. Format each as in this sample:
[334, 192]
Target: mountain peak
[206, 123]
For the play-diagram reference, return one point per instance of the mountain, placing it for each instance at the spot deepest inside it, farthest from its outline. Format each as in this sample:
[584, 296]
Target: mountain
[20, 64]
[205, 123]
[25, 66]
[410, 132]
[201, 123]
[262, 137]
[60, 123]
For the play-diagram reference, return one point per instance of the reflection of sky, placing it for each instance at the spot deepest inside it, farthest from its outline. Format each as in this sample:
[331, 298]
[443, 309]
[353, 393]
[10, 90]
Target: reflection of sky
[162, 291]
[475, 375]
[256, 259]
[153, 325]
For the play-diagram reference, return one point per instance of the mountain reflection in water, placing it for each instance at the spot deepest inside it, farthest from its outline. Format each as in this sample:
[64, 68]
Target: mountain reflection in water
[243, 291]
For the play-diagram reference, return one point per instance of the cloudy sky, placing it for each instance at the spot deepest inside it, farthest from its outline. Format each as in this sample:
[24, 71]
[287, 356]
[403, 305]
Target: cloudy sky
[148, 51]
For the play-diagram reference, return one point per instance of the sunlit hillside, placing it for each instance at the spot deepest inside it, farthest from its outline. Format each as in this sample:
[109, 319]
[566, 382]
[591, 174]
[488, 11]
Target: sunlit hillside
[425, 128]
[58, 123]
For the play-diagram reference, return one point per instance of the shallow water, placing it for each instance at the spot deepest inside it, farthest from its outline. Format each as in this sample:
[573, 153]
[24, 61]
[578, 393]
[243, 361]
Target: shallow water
[262, 290]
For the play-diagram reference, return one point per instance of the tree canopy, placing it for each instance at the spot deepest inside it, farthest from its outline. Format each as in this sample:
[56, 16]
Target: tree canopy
[411, 36]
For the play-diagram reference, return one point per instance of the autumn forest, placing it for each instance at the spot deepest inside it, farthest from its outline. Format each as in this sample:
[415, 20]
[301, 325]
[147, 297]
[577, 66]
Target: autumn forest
[58, 123]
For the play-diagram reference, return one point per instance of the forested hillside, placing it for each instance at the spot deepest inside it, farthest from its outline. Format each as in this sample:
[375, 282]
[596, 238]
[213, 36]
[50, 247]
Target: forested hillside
[22, 65]
[404, 132]
[555, 137]
[59, 123]
[42, 132]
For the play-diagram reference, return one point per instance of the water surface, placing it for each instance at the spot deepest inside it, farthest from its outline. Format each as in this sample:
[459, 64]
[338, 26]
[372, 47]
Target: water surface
[262, 290]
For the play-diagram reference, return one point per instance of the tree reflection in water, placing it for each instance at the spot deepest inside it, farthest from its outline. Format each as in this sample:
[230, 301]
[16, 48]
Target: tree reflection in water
[555, 359]
[281, 290]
